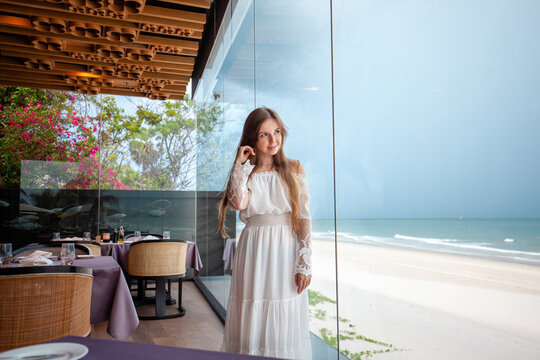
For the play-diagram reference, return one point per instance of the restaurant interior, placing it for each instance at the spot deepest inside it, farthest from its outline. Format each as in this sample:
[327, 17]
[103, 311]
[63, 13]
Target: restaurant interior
[89, 258]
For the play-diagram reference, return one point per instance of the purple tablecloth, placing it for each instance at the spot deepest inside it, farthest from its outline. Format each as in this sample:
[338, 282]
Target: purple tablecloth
[228, 254]
[100, 349]
[111, 298]
[120, 252]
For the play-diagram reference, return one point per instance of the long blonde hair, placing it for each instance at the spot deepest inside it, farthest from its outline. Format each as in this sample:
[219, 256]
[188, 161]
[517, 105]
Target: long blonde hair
[284, 166]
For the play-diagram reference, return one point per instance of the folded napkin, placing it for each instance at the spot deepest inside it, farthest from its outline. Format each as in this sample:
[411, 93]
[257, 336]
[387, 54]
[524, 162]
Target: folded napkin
[38, 257]
[150, 237]
[75, 238]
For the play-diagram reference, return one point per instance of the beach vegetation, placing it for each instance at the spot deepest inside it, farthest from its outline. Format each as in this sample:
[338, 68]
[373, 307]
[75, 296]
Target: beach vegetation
[320, 314]
[363, 354]
[347, 334]
[328, 337]
[364, 338]
[316, 298]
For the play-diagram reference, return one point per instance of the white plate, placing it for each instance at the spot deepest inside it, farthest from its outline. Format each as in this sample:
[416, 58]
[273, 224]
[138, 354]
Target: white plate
[71, 351]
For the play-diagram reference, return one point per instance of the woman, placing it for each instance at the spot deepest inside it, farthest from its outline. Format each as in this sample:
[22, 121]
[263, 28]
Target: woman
[267, 313]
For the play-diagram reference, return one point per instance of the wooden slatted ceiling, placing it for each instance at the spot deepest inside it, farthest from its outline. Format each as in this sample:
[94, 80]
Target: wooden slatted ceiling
[120, 47]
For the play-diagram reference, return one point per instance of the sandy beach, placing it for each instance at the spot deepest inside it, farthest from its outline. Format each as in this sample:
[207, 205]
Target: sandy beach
[422, 305]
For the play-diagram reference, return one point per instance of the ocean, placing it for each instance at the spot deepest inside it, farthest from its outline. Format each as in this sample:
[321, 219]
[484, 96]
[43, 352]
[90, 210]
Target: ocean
[515, 240]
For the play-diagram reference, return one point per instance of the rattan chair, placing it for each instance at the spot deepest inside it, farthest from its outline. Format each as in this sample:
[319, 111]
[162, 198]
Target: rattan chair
[53, 247]
[43, 303]
[159, 260]
[93, 247]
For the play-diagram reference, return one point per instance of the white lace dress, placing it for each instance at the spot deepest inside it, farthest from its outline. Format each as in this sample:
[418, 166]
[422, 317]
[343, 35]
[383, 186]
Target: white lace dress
[265, 315]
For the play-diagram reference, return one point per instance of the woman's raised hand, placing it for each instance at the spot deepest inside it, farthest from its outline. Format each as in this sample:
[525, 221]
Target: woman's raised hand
[243, 153]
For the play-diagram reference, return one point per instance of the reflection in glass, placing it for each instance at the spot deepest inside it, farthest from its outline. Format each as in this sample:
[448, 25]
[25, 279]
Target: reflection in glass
[228, 92]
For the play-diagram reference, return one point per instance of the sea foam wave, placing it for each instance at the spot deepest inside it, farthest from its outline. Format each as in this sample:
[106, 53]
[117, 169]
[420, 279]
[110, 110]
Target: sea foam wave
[471, 246]
[420, 243]
[426, 240]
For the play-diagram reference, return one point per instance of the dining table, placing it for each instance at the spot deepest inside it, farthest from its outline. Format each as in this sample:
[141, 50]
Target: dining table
[120, 252]
[111, 297]
[102, 349]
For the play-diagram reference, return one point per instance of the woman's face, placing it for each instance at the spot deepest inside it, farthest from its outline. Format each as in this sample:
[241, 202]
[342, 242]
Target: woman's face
[268, 138]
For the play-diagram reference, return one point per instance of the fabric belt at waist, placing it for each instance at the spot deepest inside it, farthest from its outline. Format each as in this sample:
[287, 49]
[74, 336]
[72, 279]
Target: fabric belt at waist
[269, 220]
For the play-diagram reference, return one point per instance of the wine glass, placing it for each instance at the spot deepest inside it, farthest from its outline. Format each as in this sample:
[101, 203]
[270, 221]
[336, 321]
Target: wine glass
[166, 235]
[56, 236]
[5, 253]
[87, 236]
[67, 254]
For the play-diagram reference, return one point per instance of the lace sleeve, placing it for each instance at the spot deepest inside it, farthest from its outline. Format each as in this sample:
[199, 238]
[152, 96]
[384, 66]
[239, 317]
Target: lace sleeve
[303, 241]
[237, 192]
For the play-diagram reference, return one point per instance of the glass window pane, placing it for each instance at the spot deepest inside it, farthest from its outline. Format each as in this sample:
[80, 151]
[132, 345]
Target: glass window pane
[229, 100]
[293, 77]
[437, 121]
[148, 160]
[48, 172]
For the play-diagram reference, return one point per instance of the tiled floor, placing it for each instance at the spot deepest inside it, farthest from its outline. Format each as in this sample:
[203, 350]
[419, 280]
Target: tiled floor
[200, 328]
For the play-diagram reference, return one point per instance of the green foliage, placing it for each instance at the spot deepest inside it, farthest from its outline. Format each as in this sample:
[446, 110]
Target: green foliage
[362, 337]
[13, 98]
[329, 337]
[320, 314]
[164, 148]
[362, 355]
[316, 298]
[153, 149]
[345, 336]
[45, 143]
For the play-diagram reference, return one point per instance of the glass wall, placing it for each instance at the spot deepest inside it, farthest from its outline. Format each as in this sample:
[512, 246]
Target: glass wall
[227, 84]
[293, 76]
[73, 163]
[435, 116]
[268, 54]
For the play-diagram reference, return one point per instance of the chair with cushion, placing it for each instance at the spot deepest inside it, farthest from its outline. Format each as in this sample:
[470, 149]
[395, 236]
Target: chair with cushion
[43, 303]
[159, 260]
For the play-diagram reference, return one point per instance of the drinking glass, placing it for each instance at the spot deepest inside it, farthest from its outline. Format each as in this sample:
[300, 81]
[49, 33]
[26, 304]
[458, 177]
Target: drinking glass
[166, 235]
[106, 237]
[67, 255]
[56, 236]
[5, 253]
[137, 236]
[87, 236]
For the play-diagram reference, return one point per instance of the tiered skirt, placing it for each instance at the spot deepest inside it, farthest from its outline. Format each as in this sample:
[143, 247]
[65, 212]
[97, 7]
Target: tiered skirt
[265, 315]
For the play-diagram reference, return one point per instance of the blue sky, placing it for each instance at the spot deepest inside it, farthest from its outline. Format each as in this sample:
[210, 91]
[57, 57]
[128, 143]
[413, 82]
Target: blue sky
[438, 109]
[437, 105]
